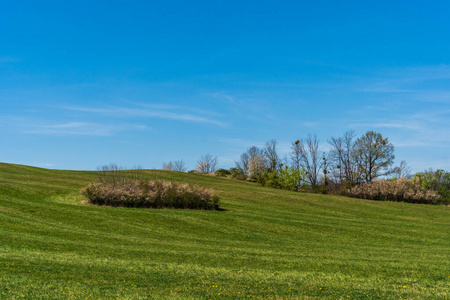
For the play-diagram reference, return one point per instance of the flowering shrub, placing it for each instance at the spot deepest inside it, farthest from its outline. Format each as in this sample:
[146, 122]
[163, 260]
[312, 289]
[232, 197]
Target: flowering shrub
[151, 194]
[400, 190]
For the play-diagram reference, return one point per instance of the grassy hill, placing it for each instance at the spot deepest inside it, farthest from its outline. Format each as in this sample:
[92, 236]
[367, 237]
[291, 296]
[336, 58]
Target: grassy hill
[266, 243]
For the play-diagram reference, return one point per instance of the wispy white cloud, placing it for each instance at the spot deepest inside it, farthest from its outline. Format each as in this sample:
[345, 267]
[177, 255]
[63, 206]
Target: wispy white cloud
[81, 128]
[8, 59]
[428, 128]
[389, 124]
[409, 105]
[410, 82]
[311, 124]
[177, 108]
[226, 160]
[238, 142]
[433, 96]
[155, 111]
[425, 163]
[237, 146]
[222, 95]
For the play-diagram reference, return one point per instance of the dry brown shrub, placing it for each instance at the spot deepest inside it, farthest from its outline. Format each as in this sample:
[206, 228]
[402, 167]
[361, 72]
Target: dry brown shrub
[151, 194]
[400, 190]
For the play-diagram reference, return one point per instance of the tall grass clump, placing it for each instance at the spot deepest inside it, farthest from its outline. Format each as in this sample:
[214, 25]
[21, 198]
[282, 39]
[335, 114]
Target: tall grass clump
[128, 188]
[400, 190]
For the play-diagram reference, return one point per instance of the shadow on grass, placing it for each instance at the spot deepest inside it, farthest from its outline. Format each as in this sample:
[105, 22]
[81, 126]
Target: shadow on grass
[87, 202]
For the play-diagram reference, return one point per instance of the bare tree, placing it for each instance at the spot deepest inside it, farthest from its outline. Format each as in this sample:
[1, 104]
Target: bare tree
[403, 170]
[296, 159]
[271, 155]
[243, 163]
[295, 154]
[349, 161]
[253, 153]
[307, 155]
[207, 164]
[284, 161]
[336, 157]
[179, 166]
[342, 158]
[168, 166]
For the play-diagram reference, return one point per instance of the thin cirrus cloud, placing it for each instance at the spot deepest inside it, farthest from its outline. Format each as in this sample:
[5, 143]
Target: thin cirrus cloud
[428, 128]
[222, 95]
[160, 112]
[408, 81]
[402, 125]
[8, 59]
[82, 129]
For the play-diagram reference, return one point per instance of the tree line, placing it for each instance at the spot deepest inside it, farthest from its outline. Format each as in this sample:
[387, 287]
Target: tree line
[352, 165]
[349, 161]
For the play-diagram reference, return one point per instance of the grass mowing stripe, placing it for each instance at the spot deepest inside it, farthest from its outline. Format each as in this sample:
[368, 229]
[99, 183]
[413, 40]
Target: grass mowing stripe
[265, 244]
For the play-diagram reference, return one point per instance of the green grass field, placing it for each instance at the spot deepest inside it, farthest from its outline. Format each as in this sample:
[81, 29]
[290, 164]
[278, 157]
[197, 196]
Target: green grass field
[265, 243]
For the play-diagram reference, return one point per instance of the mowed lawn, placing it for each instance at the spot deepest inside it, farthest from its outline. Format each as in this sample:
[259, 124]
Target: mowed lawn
[265, 243]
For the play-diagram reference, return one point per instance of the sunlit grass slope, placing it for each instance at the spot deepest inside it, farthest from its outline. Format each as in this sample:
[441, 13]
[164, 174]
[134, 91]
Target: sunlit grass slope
[266, 243]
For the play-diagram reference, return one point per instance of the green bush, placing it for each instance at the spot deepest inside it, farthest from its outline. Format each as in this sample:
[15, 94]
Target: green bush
[222, 173]
[151, 194]
[287, 178]
[319, 189]
[437, 181]
[238, 174]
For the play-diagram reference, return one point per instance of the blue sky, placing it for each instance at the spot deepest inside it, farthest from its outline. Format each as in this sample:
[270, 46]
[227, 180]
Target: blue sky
[86, 83]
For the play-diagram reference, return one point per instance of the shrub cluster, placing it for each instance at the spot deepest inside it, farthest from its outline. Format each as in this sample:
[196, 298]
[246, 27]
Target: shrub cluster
[400, 190]
[233, 173]
[151, 194]
[223, 173]
[238, 174]
[437, 181]
[287, 178]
